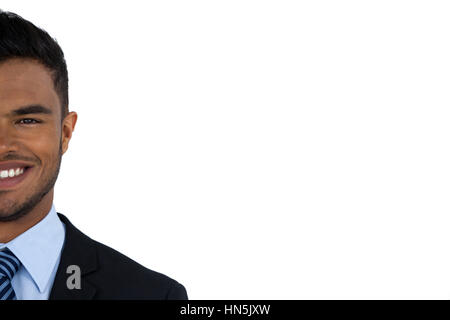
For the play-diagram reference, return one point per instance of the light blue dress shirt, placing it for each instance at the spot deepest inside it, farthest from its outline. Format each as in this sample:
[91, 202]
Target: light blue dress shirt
[39, 249]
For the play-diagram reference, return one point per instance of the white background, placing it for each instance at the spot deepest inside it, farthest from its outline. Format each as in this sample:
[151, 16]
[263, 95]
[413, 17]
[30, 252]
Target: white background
[262, 149]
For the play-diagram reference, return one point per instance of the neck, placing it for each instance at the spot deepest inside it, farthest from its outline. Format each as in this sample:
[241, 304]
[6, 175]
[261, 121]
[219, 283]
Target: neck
[11, 229]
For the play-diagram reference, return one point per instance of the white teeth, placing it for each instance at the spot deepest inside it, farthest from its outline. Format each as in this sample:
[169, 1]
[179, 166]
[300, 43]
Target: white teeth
[11, 173]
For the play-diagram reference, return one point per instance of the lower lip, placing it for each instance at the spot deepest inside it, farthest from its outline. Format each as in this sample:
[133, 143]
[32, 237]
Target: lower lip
[14, 181]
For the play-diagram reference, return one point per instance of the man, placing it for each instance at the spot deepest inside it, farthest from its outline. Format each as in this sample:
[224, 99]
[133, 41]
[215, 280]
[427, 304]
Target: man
[42, 255]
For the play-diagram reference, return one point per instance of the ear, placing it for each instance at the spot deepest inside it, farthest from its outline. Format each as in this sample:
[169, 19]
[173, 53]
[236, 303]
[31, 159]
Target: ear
[67, 127]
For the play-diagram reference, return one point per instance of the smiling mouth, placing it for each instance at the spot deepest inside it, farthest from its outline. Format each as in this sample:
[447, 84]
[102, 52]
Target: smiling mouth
[12, 177]
[12, 172]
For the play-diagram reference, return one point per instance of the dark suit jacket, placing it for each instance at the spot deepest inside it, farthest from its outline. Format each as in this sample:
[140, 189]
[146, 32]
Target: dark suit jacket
[107, 274]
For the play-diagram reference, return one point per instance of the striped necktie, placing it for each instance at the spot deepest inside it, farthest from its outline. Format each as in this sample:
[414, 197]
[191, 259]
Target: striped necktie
[9, 265]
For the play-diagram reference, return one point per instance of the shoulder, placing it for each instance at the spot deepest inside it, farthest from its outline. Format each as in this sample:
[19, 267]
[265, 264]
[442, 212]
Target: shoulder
[114, 275]
[122, 275]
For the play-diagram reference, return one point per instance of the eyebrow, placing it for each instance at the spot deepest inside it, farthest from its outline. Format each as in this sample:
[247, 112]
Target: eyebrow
[33, 108]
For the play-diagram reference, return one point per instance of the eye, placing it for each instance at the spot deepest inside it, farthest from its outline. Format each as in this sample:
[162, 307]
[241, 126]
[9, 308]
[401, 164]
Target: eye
[29, 121]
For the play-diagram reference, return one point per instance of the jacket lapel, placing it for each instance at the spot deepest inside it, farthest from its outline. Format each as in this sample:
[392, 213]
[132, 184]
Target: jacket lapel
[79, 252]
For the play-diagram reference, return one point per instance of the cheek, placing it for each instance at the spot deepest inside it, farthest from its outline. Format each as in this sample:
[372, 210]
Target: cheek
[46, 150]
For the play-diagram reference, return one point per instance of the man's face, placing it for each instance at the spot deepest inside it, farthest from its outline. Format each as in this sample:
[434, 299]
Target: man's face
[32, 138]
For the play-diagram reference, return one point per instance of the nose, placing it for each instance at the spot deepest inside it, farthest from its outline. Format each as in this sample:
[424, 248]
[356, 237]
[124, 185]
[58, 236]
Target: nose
[8, 139]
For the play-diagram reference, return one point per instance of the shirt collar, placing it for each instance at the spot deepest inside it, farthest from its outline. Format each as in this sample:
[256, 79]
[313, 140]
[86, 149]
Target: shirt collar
[39, 248]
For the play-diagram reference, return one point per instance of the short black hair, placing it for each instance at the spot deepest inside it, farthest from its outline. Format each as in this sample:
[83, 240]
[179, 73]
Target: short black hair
[20, 38]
